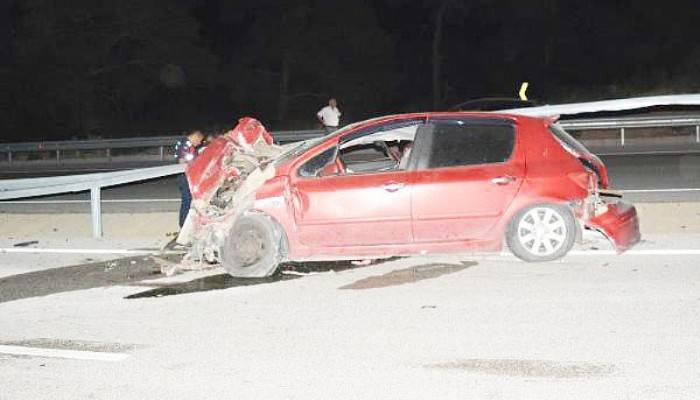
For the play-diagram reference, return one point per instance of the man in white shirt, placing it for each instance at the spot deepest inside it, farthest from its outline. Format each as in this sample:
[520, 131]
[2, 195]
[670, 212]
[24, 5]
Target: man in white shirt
[329, 116]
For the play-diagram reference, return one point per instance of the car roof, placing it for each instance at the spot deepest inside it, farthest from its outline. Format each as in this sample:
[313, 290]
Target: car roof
[433, 114]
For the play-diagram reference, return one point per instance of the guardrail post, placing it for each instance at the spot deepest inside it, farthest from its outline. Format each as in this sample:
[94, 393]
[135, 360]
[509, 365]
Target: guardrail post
[9, 156]
[109, 154]
[96, 212]
[622, 136]
[58, 156]
[162, 153]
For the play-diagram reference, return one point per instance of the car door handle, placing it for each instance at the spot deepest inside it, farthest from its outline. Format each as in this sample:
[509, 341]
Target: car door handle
[393, 186]
[502, 180]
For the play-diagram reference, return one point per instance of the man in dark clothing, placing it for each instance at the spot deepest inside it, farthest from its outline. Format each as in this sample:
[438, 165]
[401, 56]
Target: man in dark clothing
[186, 151]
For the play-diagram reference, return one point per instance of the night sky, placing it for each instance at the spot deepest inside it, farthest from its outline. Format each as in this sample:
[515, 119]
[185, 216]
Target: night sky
[91, 68]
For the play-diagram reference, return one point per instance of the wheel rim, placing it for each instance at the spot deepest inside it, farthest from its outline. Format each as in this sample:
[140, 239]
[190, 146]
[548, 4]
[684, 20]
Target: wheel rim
[249, 246]
[542, 231]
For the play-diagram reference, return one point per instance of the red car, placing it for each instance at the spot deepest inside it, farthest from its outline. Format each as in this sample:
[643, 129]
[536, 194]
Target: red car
[401, 185]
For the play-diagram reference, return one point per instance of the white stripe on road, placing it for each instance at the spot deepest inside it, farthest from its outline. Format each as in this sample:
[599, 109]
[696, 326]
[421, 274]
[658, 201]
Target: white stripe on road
[74, 251]
[649, 252]
[88, 201]
[58, 353]
[660, 190]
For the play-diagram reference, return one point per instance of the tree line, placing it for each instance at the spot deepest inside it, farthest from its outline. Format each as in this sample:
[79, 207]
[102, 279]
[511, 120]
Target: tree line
[99, 68]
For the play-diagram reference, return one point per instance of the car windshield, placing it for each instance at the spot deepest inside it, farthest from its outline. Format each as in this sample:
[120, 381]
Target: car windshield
[297, 149]
[300, 148]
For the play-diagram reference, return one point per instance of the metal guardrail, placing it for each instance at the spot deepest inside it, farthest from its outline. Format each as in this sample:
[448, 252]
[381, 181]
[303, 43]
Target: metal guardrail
[633, 122]
[31, 187]
[161, 142]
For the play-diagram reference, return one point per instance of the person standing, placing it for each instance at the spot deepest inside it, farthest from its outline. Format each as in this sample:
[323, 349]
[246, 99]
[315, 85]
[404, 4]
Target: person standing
[329, 116]
[185, 152]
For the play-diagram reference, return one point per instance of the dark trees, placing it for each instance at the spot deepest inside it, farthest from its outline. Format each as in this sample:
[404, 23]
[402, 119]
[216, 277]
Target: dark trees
[103, 67]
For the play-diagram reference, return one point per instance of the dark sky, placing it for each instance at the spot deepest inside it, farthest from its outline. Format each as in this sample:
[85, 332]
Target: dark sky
[95, 68]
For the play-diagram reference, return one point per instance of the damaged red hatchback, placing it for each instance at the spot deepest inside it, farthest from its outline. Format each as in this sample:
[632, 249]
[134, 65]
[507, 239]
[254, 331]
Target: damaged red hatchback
[400, 185]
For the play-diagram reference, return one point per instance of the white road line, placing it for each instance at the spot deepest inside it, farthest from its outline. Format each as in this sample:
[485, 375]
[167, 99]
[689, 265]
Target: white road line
[650, 252]
[88, 201]
[661, 190]
[59, 353]
[73, 251]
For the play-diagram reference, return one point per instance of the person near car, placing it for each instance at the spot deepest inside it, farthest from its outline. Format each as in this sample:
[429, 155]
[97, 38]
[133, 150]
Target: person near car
[329, 116]
[185, 152]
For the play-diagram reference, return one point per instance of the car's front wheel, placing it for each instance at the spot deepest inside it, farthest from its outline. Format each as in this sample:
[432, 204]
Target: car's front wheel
[542, 233]
[253, 247]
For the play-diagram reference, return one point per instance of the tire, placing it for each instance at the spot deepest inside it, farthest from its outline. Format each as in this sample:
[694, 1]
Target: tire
[542, 232]
[253, 247]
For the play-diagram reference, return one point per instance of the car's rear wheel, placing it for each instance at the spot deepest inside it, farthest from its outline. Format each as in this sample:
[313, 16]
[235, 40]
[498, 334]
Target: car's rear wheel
[253, 247]
[542, 233]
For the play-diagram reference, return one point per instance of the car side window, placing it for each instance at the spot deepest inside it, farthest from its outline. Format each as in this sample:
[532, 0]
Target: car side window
[315, 165]
[458, 144]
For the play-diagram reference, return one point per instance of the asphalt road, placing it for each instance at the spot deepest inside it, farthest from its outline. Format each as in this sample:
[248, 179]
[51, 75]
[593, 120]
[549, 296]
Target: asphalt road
[644, 178]
[592, 326]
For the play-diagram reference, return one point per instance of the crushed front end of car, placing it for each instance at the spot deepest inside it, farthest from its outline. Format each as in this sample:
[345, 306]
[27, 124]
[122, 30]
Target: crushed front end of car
[223, 182]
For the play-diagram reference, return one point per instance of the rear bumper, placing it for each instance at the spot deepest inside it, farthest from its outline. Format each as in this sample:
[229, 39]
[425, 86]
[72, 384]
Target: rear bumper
[620, 224]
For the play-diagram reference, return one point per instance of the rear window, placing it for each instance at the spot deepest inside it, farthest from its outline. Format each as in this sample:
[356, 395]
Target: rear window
[457, 144]
[567, 140]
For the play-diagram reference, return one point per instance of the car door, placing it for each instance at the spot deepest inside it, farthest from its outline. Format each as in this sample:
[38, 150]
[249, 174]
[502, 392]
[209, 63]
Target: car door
[467, 173]
[352, 209]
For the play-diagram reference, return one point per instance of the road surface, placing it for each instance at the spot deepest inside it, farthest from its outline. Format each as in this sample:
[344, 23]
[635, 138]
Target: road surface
[593, 326]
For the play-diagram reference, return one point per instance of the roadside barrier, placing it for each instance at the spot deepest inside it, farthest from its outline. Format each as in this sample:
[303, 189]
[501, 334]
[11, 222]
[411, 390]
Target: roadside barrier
[32, 187]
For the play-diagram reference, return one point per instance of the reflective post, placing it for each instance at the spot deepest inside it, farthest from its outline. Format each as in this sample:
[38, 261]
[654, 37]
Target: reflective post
[58, 156]
[9, 156]
[162, 153]
[697, 133]
[96, 212]
[622, 136]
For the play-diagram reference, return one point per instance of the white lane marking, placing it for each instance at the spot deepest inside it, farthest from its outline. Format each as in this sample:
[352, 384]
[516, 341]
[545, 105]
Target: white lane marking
[73, 251]
[59, 353]
[88, 201]
[650, 252]
[661, 190]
